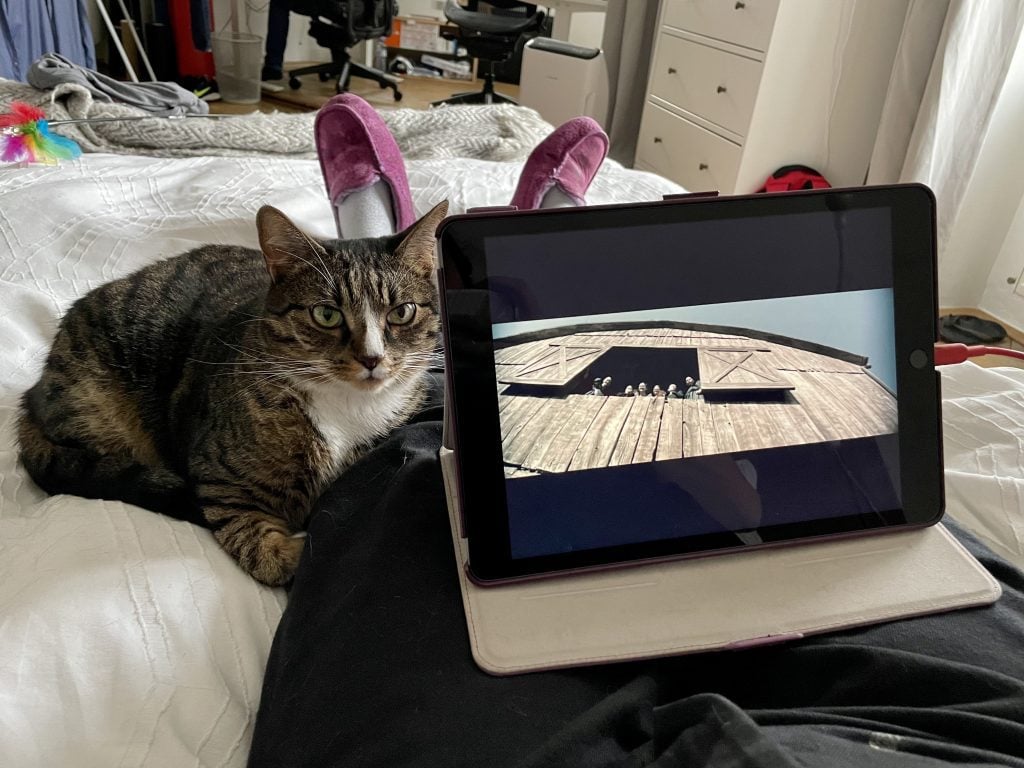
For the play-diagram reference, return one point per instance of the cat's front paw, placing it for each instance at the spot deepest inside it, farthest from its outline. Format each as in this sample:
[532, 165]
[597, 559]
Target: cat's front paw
[265, 549]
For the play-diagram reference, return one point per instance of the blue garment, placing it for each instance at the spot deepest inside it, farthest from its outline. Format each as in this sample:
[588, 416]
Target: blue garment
[30, 28]
[277, 38]
[201, 32]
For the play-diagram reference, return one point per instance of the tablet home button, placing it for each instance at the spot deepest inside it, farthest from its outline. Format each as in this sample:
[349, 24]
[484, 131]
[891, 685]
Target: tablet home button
[919, 359]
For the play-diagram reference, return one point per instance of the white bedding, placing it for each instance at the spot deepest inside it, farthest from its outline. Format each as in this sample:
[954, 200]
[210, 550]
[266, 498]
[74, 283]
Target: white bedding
[127, 638]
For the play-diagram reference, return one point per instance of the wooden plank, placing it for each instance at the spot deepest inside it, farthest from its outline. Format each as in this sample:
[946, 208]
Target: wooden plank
[648, 440]
[520, 354]
[670, 438]
[708, 437]
[563, 447]
[795, 424]
[759, 425]
[536, 435]
[691, 429]
[625, 446]
[842, 406]
[876, 407]
[558, 365]
[724, 418]
[516, 414]
[792, 359]
[503, 371]
[738, 369]
[597, 445]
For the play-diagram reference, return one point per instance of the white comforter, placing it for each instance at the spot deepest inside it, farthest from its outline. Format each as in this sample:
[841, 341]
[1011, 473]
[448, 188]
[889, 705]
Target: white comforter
[127, 638]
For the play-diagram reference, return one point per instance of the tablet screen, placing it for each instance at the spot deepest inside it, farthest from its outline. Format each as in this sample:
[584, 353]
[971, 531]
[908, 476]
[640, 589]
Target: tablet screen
[730, 380]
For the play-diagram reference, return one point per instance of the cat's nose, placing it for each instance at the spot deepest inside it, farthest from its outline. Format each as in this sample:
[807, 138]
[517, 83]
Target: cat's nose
[369, 361]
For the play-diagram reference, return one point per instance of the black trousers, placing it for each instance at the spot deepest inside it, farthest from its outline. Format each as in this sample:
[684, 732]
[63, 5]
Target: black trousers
[371, 667]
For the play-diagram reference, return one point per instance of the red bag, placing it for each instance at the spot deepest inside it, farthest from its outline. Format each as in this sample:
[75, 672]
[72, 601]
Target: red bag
[791, 177]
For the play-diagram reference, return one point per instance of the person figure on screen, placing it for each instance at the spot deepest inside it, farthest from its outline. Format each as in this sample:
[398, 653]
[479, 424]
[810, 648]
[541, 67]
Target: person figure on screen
[657, 392]
[692, 388]
[672, 393]
[595, 389]
[641, 390]
[629, 391]
[606, 386]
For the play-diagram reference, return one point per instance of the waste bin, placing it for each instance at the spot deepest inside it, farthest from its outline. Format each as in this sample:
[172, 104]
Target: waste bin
[238, 57]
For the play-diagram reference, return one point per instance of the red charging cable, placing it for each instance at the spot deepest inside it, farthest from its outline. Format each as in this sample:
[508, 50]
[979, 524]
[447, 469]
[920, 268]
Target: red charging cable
[947, 354]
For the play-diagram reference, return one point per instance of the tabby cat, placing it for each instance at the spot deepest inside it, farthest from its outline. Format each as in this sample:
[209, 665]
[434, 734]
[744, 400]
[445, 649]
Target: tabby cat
[229, 388]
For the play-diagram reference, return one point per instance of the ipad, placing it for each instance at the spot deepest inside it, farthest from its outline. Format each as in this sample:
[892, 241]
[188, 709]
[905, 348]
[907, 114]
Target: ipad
[688, 377]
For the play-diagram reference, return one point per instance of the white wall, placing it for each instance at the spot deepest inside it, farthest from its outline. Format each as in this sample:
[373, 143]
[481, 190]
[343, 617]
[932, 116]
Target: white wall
[986, 245]
[1001, 298]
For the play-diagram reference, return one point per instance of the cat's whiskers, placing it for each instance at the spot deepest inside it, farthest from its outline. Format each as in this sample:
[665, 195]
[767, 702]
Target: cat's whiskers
[251, 351]
[322, 271]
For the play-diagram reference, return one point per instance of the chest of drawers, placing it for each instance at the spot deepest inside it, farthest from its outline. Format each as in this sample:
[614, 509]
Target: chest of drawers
[739, 88]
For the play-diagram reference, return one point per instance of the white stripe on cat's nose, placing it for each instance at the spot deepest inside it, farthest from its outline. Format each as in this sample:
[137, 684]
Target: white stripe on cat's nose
[373, 338]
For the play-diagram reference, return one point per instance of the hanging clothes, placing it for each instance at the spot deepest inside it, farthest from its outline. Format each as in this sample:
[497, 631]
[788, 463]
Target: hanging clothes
[30, 28]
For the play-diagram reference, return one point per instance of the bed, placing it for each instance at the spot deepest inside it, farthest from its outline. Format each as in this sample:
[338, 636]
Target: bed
[127, 638]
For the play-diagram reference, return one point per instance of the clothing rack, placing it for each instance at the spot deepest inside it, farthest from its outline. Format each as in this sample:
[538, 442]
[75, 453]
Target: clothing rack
[116, 39]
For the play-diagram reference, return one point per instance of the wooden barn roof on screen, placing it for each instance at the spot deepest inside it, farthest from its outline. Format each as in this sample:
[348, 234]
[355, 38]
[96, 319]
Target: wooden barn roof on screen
[829, 395]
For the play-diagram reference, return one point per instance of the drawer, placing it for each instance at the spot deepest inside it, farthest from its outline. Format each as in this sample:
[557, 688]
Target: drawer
[718, 86]
[686, 153]
[741, 22]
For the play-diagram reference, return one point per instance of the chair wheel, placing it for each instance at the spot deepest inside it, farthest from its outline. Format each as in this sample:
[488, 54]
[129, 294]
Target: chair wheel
[324, 77]
[398, 95]
[294, 83]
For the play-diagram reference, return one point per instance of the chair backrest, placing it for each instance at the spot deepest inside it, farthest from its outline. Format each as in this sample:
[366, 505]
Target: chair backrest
[371, 18]
[359, 19]
[493, 30]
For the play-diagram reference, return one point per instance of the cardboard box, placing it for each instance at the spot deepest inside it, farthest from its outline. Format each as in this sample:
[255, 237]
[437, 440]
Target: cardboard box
[419, 35]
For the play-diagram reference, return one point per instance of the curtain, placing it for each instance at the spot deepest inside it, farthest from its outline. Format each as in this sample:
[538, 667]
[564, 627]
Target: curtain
[627, 44]
[30, 28]
[953, 120]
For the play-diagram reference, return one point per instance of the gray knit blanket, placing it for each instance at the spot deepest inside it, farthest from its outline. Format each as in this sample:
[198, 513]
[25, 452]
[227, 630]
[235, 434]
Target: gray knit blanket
[502, 132]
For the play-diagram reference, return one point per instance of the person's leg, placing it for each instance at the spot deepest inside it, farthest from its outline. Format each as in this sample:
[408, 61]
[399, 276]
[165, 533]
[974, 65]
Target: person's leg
[277, 38]
[371, 666]
[363, 169]
[558, 172]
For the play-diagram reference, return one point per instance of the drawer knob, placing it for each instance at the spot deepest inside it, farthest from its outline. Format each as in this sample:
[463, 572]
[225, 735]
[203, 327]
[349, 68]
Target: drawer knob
[740, 5]
[671, 70]
[721, 89]
[657, 139]
[702, 167]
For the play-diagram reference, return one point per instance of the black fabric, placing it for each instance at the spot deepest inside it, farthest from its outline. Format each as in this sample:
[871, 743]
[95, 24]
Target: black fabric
[371, 667]
[967, 329]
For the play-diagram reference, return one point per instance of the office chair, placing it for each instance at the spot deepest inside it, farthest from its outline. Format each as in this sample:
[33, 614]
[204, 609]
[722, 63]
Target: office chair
[491, 38]
[338, 25]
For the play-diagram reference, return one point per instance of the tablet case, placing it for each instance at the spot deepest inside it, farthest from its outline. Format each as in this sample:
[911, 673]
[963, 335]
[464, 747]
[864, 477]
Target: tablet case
[727, 601]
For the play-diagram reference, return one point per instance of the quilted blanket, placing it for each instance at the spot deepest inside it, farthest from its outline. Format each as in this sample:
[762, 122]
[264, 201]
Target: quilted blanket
[502, 132]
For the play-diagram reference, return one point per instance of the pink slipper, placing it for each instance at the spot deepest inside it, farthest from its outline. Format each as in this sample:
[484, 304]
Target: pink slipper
[356, 149]
[569, 159]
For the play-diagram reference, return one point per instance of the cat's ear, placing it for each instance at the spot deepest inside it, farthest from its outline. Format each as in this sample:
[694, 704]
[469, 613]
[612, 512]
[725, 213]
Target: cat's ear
[415, 245]
[284, 245]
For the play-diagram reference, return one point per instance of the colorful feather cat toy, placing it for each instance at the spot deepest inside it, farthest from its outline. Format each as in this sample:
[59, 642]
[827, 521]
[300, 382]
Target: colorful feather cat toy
[25, 138]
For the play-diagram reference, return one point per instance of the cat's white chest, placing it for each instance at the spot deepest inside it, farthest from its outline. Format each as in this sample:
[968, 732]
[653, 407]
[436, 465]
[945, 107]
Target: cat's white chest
[348, 418]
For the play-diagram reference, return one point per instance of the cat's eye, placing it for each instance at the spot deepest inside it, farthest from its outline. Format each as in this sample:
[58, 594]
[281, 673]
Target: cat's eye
[327, 316]
[402, 314]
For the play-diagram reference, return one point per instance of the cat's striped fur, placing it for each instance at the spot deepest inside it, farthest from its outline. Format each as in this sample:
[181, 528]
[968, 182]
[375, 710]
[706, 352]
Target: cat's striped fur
[205, 387]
